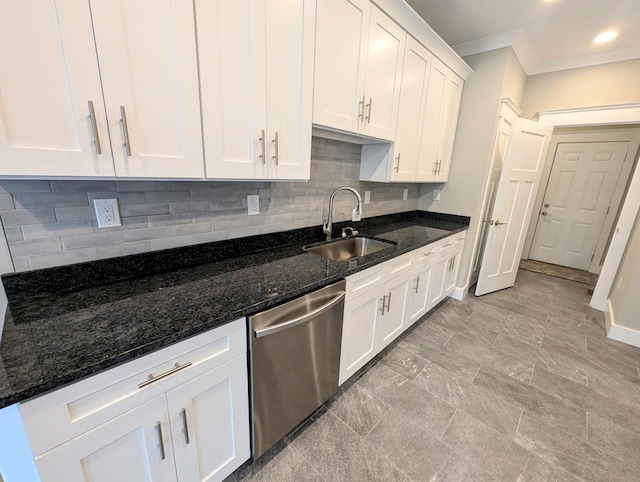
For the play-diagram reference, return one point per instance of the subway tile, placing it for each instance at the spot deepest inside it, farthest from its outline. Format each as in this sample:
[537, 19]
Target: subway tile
[82, 186]
[15, 186]
[242, 232]
[32, 216]
[136, 222]
[123, 249]
[75, 214]
[14, 233]
[143, 186]
[21, 263]
[35, 246]
[122, 197]
[192, 228]
[149, 233]
[63, 257]
[50, 200]
[6, 202]
[35, 231]
[172, 242]
[188, 186]
[211, 236]
[166, 196]
[189, 207]
[169, 220]
[93, 239]
[143, 210]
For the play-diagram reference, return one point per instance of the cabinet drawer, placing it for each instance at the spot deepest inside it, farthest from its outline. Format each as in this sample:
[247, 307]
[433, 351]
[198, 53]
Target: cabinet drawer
[63, 414]
[397, 266]
[364, 281]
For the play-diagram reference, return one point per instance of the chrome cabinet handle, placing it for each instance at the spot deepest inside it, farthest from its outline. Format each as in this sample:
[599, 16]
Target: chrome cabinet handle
[275, 147]
[428, 254]
[361, 108]
[397, 168]
[383, 305]
[498, 223]
[262, 144]
[389, 303]
[153, 379]
[368, 118]
[183, 415]
[125, 128]
[544, 213]
[417, 284]
[460, 239]
[160, 440]
[446, 245]
[546, 205]
[94, 128]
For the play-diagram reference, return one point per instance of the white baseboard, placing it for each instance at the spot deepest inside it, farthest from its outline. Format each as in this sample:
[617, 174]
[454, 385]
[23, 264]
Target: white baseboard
[459, 293]
[620, 333]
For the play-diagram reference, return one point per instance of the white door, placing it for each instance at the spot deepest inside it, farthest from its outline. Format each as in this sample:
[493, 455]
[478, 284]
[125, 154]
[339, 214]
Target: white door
[419, 295]
[393, 316]
[507, 117]
[413, 96]
[134, 447]
[340, 59]
[581, 185]
[521, 172]
[210, 423]
[290, 40]
[49, 75]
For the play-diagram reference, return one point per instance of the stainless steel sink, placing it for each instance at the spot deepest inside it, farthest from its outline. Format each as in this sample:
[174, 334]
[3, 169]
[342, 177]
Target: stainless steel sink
[348, 248]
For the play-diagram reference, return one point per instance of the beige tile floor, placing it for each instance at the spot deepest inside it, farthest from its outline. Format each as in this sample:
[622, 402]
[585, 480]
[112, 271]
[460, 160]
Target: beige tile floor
[520, 385]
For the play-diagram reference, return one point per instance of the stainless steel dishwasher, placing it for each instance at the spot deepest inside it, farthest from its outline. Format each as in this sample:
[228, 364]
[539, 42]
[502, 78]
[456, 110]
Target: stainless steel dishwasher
[295, 359]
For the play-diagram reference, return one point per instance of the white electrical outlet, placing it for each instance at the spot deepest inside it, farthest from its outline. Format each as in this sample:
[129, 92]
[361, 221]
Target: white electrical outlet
[253, 204]
[405, 195]
[436, 194]
[107, 212]
[367, 197]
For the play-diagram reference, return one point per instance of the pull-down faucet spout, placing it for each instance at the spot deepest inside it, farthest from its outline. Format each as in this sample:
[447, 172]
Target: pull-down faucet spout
[327, 226]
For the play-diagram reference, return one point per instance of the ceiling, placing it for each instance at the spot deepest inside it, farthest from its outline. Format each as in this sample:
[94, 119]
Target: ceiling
[547, 35]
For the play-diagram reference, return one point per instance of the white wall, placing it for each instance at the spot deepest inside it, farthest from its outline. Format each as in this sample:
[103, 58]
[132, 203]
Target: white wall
[624, 299]
[497, 74]
[606, 84]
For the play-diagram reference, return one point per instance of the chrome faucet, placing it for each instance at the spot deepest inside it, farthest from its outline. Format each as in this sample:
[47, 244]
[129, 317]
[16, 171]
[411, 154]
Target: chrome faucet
[327, 226]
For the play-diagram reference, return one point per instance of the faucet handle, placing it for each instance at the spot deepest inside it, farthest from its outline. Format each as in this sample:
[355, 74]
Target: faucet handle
[344, 231]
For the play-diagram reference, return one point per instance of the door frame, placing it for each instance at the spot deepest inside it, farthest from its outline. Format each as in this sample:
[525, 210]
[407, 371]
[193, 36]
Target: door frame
[606, 115]
[595, 134]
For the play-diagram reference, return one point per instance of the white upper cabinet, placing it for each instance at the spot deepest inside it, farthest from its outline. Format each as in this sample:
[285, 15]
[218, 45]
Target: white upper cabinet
[413, 96]
[359, 52]
[55, 120]
[256, 73]
[48, 75]
[441, 117]
[148, 63]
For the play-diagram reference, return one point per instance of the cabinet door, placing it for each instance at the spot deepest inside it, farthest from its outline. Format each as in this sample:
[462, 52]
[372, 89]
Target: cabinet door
[436, 287]
[419, 295]
[392, 320]
[210, 422]
[441, 116]
[361, 317]
[385, 53]
[129, 448]
[448, 124]
[49, 73]
[231, 52]
[148, 65]
[290, 40]
[413, 97]
[340, 59]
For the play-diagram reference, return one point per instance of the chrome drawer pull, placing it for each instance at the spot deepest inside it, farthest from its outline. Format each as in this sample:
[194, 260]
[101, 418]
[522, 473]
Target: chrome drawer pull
[275, 148]
[446, 245]
[429, 253]
[125, 128]
[94, 127]
[153, 379]
[417, 283]
[262, 144]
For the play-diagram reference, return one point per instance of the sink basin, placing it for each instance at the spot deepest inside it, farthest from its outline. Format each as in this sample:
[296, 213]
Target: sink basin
[348, 248]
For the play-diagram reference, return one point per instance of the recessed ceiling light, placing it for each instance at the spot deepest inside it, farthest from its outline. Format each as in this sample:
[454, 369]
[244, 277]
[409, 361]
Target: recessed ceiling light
[605, 37]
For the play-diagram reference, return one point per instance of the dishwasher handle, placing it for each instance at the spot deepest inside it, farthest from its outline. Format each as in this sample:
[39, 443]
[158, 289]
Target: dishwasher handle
[301, 319]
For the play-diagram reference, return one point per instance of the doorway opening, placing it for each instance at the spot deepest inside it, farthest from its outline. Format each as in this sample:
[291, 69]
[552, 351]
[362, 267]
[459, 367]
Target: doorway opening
[584, 181]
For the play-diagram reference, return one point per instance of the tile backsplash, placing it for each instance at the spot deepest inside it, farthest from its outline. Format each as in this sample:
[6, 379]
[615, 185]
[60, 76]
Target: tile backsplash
[53, 223]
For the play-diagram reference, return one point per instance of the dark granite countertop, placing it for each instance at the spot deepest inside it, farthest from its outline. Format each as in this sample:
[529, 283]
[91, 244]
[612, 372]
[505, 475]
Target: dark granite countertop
[64, 324]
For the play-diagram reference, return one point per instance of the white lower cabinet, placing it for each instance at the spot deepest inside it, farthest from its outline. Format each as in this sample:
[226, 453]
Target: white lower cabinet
[190, 424]
[383, 301]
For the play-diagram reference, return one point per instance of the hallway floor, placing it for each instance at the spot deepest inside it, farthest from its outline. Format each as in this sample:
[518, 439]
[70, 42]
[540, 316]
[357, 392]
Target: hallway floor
[519, 385]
